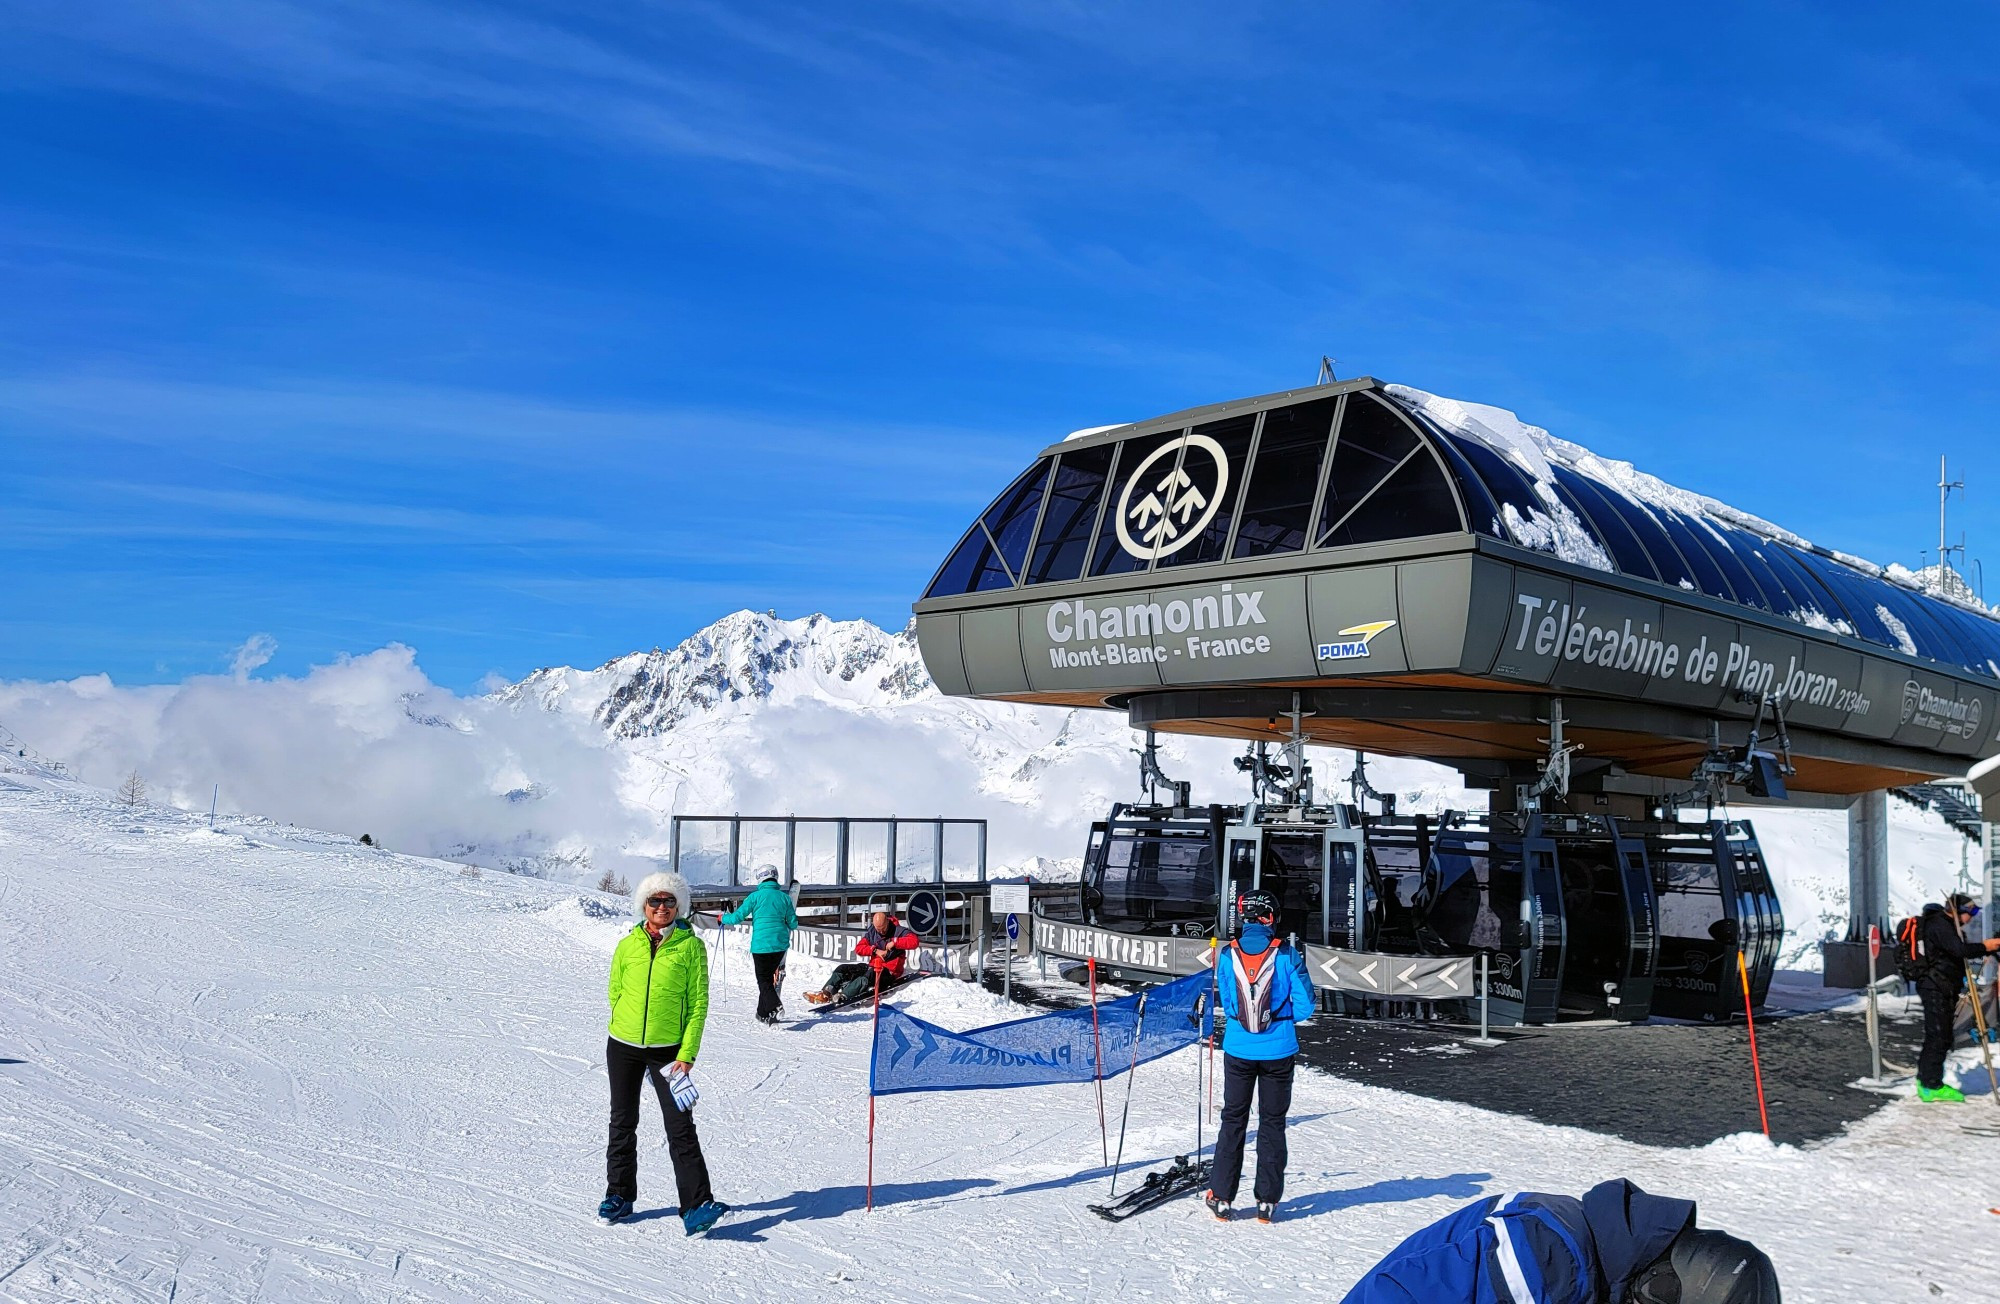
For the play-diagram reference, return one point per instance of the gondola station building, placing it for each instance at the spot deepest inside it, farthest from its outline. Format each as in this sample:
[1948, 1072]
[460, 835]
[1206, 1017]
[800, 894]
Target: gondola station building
[1373, 567]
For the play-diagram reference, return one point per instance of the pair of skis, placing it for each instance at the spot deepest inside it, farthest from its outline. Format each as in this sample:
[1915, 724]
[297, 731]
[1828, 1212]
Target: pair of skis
[1188, 1173]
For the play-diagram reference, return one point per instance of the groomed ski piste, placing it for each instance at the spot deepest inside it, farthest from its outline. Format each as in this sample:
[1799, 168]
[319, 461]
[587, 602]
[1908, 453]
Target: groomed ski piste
[261, 1063]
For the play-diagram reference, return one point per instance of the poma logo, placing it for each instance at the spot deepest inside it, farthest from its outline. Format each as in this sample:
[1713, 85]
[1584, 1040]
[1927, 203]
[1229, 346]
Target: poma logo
[1912, 691]
[1353, 641]
[1697, 962]
[1177, 505]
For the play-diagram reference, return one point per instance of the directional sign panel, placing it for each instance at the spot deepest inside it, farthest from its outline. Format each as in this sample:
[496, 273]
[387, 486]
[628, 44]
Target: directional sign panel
[1403, 977]
[1013, 928]
[926, 913]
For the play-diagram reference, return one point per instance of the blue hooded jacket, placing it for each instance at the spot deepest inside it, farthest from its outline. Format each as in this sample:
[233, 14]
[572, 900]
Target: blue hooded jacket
[1291, 1000]
[1530, 1249]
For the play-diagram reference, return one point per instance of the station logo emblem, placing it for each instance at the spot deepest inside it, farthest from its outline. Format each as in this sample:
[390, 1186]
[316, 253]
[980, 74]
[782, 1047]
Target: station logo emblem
[1353, 641]
[1180, 489]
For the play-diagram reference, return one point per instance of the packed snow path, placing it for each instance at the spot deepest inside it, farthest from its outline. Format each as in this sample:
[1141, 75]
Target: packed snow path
[263, 1064]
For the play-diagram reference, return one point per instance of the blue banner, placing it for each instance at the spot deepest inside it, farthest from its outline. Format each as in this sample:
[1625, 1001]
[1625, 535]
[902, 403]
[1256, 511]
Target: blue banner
[912, 1055]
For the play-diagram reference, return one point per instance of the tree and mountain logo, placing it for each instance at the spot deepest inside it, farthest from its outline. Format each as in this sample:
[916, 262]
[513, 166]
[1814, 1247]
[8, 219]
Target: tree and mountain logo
[1181, 487]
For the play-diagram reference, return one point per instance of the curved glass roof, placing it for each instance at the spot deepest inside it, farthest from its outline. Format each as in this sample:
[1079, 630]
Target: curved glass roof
[1330, 472]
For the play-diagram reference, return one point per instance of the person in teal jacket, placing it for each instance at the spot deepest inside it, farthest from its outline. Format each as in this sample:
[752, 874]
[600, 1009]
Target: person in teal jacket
[1262, 986]
[772, 918]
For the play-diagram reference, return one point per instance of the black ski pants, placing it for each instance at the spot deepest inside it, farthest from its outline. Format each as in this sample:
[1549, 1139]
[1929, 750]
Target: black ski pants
[1272, 1082]
[770, 967]
[630, 1065]
[1939, 1005]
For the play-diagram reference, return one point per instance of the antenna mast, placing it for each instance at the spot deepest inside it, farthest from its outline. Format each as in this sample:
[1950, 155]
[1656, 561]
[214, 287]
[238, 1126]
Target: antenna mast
[1945, 485]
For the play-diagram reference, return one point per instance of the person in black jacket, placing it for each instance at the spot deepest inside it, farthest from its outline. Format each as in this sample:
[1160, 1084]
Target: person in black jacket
[1941, 934]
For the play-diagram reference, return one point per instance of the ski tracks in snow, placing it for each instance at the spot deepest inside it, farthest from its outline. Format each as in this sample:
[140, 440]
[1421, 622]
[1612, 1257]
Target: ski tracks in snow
[308, 1071]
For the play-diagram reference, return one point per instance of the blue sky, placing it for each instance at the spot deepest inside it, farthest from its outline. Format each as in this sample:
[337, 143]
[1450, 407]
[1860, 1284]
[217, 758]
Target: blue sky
[528, 334]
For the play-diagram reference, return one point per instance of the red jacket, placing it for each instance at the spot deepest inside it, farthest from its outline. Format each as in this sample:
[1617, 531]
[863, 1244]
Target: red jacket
[887, 952]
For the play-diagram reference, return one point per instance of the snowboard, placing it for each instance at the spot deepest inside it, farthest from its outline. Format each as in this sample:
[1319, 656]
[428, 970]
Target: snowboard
[1170, 1183]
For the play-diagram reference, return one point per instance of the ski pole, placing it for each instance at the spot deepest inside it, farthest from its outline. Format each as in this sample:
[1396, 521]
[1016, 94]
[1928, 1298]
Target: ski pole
[1979, 1021]
[1756, 1067]
[1097, 1065]
[1200, 1013]
[1138, 1031]
[1208, 1033]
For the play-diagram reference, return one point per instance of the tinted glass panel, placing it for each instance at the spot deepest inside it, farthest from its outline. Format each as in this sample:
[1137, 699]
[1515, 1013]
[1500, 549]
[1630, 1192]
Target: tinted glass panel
[1482, 515]
[1748, 591]
[1673, 569]
[1855, 591]
[1143, 521]
[1205, 488]
[1585, 501]
[1508, 487]
[1979, 636]
[971, 557]
[1072, 511]
[1807, 592]
[1280, 494]
[1011, 520]
[1933, 640]
[1372, 441]
[1686, 537]
[1414, 501]
[1743, 546]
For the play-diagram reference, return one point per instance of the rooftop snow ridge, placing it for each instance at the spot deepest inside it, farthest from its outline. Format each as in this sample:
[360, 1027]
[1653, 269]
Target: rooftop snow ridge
[1535, 451]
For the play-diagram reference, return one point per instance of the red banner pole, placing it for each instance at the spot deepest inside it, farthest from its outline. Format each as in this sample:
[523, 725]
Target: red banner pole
[1743, 971]
[875, 1030]
[1103, 1134]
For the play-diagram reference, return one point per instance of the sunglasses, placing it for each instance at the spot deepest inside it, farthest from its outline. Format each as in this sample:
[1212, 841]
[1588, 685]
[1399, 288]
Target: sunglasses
[660, 902]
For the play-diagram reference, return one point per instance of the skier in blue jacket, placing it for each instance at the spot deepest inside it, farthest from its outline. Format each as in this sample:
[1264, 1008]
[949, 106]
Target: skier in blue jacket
[1615, 1245]
[1263, 988]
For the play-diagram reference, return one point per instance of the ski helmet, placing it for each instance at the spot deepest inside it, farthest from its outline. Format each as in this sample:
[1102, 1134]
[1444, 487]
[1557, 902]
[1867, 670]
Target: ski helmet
[768, 874]
[1717, 1268]
[1257, 905]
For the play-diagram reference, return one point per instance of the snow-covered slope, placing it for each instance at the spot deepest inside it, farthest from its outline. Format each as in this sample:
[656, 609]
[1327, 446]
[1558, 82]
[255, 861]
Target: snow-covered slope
[572, 772]
[270, 1064]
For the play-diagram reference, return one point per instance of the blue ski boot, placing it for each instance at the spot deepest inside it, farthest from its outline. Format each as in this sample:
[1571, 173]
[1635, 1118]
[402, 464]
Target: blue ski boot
[703, 1216]
[614, 1208]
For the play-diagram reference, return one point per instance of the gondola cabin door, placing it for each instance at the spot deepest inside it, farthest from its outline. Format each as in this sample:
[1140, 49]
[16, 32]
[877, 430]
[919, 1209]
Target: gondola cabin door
[1242, 860]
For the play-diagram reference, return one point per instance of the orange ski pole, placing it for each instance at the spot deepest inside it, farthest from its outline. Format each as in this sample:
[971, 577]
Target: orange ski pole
[1743, 971]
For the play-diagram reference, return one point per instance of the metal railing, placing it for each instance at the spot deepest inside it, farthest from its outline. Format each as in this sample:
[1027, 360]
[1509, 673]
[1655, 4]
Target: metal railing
[828, 850]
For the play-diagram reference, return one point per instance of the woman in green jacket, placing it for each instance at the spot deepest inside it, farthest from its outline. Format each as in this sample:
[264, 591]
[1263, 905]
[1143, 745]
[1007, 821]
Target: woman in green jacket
[659, 1001]
[772, 918]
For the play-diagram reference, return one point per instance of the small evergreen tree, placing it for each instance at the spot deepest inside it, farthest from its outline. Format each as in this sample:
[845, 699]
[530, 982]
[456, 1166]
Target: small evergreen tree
[614, 884]
[367, 841]
[133, 790]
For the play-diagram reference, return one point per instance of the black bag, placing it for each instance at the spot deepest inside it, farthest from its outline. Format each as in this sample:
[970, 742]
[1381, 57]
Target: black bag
[1911, 962]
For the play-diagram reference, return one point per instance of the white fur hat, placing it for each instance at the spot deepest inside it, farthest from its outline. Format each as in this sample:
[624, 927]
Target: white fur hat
[654, 884]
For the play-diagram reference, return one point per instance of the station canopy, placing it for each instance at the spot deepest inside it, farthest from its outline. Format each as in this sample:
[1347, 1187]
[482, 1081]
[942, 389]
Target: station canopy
[1425, 575]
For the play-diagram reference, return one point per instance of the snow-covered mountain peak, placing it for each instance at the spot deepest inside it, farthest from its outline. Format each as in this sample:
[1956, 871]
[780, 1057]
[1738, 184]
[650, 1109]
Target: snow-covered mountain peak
[745, 656]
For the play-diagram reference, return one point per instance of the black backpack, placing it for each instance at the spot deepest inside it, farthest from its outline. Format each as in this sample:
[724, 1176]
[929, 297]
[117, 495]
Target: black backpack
[1911, 961]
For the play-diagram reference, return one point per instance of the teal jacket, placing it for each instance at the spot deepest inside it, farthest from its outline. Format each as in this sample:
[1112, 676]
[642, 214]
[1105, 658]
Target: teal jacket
[772, 918]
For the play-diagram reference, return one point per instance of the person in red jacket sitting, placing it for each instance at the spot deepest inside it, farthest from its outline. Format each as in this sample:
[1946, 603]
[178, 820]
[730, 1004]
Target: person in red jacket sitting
[883, 947]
